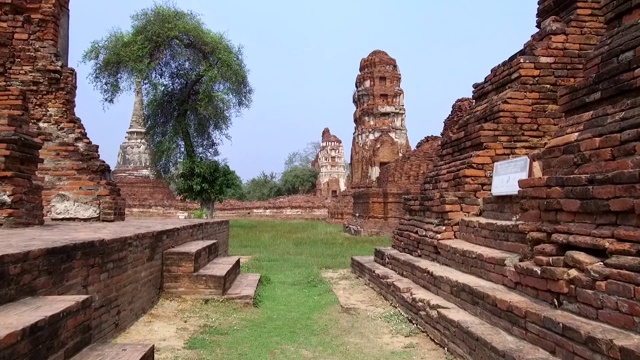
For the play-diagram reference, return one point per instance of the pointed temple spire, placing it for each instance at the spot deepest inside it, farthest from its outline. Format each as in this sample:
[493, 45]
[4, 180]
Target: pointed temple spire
[134, 157]
[137, 117]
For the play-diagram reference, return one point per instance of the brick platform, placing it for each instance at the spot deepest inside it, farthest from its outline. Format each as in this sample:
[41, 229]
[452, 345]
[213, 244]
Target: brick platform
[119, 265]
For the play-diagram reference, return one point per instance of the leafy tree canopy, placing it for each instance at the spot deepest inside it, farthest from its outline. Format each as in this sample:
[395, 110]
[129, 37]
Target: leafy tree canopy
[263, 187]
[195, 81]
[298, 180]
[303, 157]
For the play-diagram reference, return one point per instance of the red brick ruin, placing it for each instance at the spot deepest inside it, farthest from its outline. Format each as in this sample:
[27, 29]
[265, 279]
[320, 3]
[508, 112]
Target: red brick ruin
[553, 272]
[383, 166]
[37, 94]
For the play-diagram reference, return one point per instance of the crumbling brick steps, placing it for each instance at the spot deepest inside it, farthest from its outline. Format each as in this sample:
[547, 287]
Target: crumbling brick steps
[106, 351]
[243, 290]
[47, 327]
[559, 332]
[455, 329]
[194, 269]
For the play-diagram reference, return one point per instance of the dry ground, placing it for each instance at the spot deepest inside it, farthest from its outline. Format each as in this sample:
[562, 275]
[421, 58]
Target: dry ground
[364, 320]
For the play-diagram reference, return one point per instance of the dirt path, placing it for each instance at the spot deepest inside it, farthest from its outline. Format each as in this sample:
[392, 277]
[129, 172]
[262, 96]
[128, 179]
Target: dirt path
[364, 321]
[373, 325]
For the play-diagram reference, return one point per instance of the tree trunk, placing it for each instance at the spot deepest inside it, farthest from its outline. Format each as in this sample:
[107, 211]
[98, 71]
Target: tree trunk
[207, 207]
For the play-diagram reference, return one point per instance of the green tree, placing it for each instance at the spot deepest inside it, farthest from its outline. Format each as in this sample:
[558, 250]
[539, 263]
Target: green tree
[263, 187]
[206, 182]
[298, 180]
[195, 81]
[303, 157]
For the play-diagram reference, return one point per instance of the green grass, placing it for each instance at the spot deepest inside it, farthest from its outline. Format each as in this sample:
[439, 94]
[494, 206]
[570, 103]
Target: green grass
[293, 318]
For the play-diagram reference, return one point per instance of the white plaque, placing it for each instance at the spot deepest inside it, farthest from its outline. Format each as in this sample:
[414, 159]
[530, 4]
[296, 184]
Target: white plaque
[506, 175]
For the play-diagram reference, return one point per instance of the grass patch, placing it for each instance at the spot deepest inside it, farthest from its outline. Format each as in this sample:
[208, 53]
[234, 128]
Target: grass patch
[399, 324]
[290, 320]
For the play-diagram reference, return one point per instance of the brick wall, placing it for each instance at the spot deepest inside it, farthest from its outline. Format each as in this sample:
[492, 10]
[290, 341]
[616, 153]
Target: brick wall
[378, 208]
[122, 273]
[146, 197]
[513, 112]
[585, 204]
[76, 181]
[20, 192]
[284, 207]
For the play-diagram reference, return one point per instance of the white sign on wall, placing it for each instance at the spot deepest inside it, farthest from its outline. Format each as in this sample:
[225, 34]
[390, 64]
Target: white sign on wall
[506, 175]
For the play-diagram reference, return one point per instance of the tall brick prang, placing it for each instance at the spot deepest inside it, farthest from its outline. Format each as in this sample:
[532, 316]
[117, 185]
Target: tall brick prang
[77, 183]
[380, 135]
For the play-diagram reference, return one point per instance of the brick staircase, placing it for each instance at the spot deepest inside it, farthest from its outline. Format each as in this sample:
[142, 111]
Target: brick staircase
[481, 302]
[57, 328]
[194, 269]
[63, 327]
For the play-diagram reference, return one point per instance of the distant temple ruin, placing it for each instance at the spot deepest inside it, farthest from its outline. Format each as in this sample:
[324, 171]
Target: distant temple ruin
[332, 170]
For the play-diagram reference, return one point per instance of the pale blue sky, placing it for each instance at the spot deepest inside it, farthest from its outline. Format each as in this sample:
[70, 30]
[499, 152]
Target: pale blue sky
[303, 58]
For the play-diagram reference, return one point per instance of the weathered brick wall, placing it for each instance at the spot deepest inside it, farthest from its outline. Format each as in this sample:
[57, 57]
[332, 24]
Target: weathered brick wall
[378, 208]
[408, 172]
[123, 274]
[512, 113]
[146, 197]
[20, 192]
[76, 181]
[585, 204]
[340, 208]
[284, 207]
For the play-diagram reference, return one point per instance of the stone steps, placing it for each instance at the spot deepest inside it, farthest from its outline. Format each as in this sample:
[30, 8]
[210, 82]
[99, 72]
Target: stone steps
[47, 327]
[452, 327]
[214, 279]
[563, 334]
[243, 290]
[194, 269]
[106, 351]
[487, 263]
[189, 257]
[221, 273]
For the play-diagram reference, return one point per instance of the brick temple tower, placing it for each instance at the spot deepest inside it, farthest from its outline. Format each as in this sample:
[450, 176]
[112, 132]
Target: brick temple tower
[332, 177]
[380, 135]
